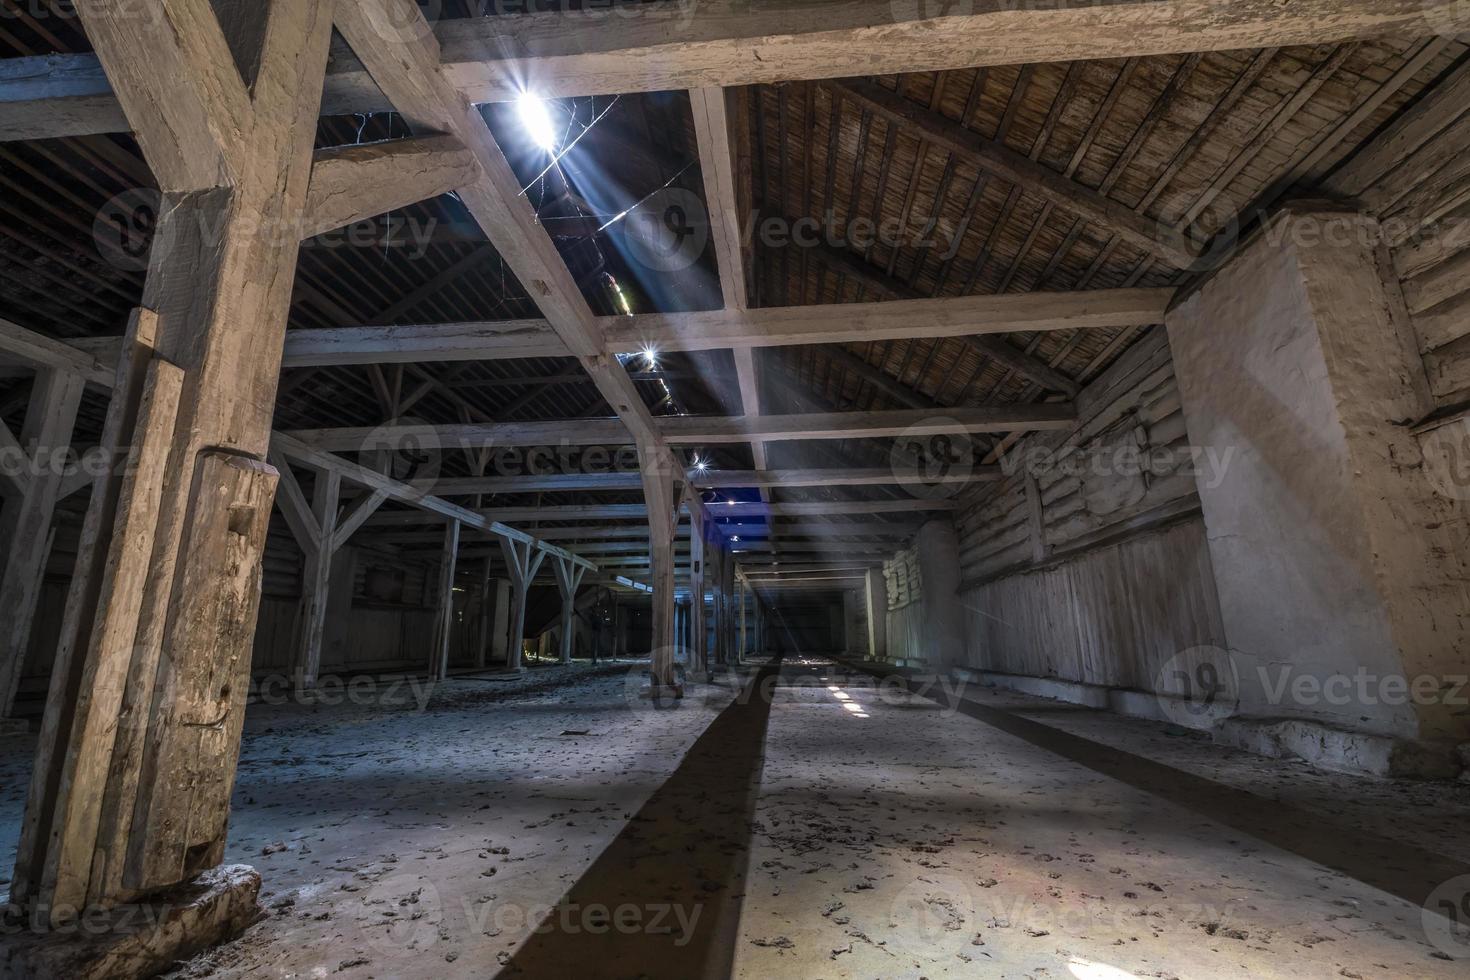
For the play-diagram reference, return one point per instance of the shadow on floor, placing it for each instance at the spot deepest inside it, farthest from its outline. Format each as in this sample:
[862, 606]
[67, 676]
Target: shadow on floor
[1409, 872]
[663, 900]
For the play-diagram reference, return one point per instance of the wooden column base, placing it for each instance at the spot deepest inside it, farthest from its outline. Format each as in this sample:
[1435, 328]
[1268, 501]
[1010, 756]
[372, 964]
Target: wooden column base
[136, 941]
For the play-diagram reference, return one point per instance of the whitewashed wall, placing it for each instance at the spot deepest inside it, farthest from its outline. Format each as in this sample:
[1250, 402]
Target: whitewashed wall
[1100, 572]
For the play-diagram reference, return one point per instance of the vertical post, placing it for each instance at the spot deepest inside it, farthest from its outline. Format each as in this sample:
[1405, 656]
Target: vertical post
[663, 516]
[523, 561]
[316, 541]
[568, 578]
[740, 646]
[698, 632]
[728, 587]
[444, 628]
[487, 604]
[25, 520]
[122, 808]
[876, 597]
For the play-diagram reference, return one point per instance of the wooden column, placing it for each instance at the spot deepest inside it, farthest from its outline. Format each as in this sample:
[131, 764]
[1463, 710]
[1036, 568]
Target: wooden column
[25, 518]
[663, 516]
[523, 561]
[728, 587]
[444, 623]
[487, 609]
[568, 578]
[131, 788]
[698, 632]
[740, 647]
[320, 531]
[875, 596]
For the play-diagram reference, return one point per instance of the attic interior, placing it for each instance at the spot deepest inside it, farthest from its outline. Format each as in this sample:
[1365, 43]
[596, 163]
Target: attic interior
[733, 488]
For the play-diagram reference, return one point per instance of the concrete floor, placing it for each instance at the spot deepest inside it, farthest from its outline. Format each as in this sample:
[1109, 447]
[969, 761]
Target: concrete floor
[834, 832]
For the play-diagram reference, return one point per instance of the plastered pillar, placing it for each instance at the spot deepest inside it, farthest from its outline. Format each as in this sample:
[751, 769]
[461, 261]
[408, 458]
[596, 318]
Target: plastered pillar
[1333, 555]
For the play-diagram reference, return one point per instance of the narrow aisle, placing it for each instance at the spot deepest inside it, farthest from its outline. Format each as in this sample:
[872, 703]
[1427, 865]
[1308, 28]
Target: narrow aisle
[897, 838]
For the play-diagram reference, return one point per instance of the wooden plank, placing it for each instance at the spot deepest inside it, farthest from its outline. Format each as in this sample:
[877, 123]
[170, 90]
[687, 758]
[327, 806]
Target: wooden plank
[1042, 182]
[65, 705]
[351, 183]
[1403, 137]
[109, 639]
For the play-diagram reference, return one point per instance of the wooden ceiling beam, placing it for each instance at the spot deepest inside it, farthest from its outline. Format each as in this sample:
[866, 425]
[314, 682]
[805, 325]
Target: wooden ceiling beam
[696, 430]
[403, 56]
[351, 183]
[908, 319]
[712, 479]
[659, 47]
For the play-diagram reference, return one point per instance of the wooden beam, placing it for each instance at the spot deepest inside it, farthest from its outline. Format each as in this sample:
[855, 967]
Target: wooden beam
[38, 350]
[351, 183]
[697, 430]
[601, 512]
[718, 479]
[909, 319]
[402, 55]
[392, 489]
[655, 48]
[839, 323]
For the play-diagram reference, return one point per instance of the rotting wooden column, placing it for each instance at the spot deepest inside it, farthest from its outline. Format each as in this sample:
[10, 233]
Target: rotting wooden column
[523, 561]
[568, 578]
[136, 761]
[25, 520]
[444, 621]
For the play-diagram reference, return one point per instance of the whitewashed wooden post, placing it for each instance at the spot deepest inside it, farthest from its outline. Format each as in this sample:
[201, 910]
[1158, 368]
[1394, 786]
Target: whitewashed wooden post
[444, 623]
[568, 578]
[523, 560]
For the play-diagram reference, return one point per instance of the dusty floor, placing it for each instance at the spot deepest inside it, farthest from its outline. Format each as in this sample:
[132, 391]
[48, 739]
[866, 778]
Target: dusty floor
[892, 837]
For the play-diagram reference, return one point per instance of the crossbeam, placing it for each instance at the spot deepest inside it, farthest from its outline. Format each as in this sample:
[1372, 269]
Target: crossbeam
[659, 47]
[697, 430]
